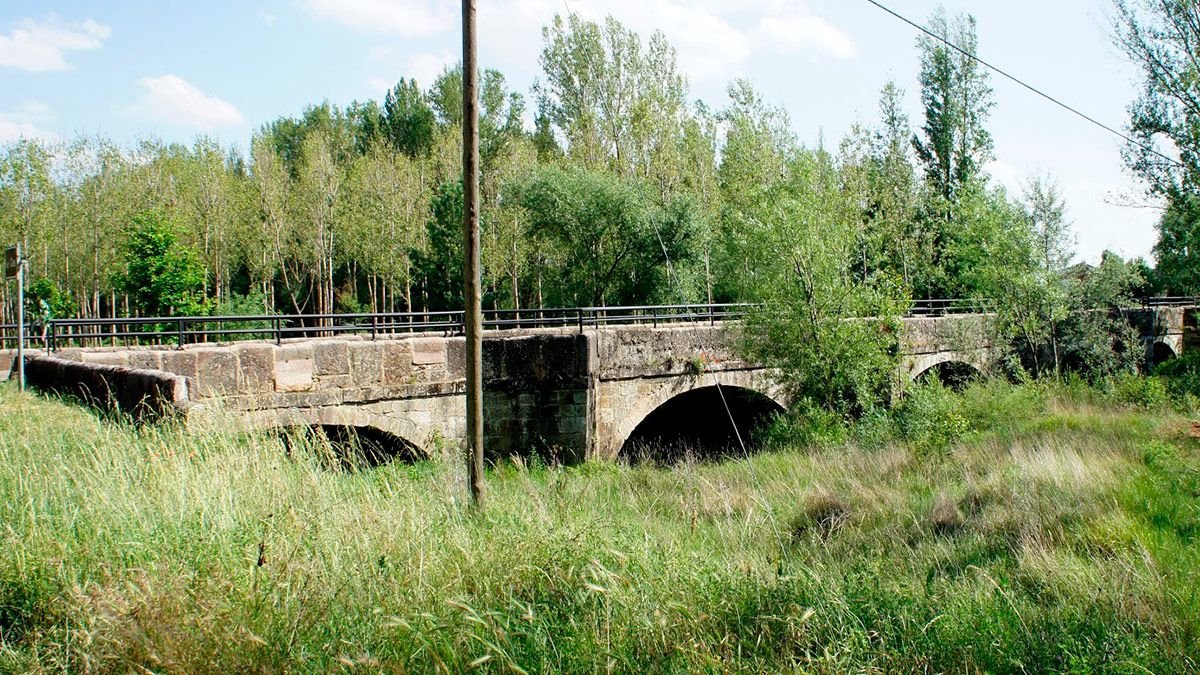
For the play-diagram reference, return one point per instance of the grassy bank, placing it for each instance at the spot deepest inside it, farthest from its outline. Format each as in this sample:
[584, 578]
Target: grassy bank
[1011, 529]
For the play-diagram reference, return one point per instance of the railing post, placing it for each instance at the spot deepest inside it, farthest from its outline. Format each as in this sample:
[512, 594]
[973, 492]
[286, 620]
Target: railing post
[579, 318]
[374, 327]
[179, 331]
[52, 341]
[277, 325]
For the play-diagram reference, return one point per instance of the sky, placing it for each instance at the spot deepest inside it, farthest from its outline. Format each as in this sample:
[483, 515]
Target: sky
[176, 70]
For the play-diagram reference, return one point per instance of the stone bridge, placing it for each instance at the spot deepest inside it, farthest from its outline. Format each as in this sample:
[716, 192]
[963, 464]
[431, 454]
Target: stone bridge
[572, 394]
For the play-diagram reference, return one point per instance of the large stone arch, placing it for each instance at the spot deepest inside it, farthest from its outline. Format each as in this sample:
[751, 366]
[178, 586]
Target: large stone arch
[916, 365]
[622, 405]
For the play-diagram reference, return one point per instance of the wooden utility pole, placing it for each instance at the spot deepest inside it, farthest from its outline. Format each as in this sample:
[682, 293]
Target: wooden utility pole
[471, 277]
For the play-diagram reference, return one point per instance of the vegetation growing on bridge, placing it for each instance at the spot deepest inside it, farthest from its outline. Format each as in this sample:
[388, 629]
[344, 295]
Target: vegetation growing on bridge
[1057, 521]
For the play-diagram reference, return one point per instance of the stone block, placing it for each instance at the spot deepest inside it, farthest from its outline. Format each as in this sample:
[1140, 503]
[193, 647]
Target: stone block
[107, 358]
[217, 372]
[146, 359]
[397, 362]
[366, 363]
[257, 367]
[331, 358]
[428, 351]
[180, 362]
[456, 359]
[294, 368]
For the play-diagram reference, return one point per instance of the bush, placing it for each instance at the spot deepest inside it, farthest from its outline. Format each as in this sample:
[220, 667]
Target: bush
[1138, 391]
[806, 425]
[930, 416]
[997, 404]
[250, 304]
[1182, 375]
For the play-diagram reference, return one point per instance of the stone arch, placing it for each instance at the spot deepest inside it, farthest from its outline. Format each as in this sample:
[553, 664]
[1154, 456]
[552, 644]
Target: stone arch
[1159, 352]
[405, 432]
[691, 408]
[959, 366]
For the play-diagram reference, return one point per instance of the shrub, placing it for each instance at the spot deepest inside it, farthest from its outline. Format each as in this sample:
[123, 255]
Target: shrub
[807, 424]
[930, 417]
[1182, 375]
[1138, 391]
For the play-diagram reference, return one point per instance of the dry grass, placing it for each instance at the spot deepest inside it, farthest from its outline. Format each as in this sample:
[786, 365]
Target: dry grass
[131, 550]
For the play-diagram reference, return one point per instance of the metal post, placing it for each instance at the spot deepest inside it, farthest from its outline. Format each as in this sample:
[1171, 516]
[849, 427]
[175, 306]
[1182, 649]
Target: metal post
[473, 290]
[179, 332]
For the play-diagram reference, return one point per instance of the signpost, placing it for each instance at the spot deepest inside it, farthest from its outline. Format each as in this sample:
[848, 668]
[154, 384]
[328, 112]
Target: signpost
[14, 268]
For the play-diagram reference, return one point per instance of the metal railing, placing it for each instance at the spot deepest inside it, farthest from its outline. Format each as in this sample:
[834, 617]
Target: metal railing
[185, 330]
[279, 327]
[945, 306]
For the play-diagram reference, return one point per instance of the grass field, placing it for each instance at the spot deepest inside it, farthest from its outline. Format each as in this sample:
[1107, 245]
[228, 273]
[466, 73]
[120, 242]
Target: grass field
[1010, 529]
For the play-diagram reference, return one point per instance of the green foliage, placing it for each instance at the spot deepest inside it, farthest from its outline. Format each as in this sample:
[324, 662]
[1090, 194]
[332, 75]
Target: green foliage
[1178, 247]
[1182, 374]
[408, 121]
[248, 304]
[1160, 36]
[929, 416]
[1142, 392]
[45, 300]
[958, 101]
[611, 240]
[163, 276]
[803, 245]
[1096, 339]
[440, 264]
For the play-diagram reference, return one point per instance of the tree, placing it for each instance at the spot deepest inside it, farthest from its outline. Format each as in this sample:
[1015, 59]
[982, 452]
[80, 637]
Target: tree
[753, 159]
[1097, 339]
[954, 144]
[1178, 247]
[1025, 277]
[440, 263]
[162, 276]
[408, 121]
[612, 240]
[619, 104]
[813, 326]
[1163, 38]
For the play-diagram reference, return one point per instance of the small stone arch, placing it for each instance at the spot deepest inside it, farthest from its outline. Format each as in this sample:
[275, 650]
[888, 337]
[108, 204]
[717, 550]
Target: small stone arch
[1160, 352]
[377, 432]
[953, 369]
[694, 417]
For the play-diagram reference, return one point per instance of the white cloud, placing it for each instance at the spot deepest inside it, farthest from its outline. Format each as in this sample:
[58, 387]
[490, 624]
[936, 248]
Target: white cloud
[40, 45]
[268, 18]
[806, 32]
[399, 17]
[708, 45]
[23, 122]
[424, 68]
[172, 99]
[714, 39]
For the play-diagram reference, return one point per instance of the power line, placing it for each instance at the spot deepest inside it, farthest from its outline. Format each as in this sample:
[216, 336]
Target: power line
[1039, 92]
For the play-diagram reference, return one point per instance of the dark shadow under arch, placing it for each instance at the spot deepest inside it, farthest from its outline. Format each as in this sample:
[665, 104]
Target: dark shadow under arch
[697, 424]
[953, 374]
[348, 447]
[1160, 353]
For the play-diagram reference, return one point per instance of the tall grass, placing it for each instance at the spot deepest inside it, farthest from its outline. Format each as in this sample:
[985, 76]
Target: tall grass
[1059, 535]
